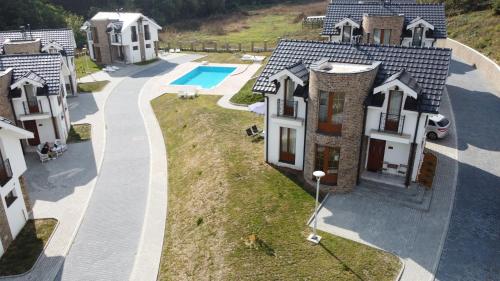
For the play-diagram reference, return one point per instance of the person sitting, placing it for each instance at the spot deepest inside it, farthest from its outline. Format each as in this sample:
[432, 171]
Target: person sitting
[45, 149]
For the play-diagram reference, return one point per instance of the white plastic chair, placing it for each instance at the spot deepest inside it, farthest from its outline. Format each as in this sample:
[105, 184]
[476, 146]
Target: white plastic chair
[61, 146]
[177, 50]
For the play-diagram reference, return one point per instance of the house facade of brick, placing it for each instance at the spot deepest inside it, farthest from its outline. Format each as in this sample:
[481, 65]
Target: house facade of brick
[351, 111]
[39, 41]
[121, 37]
[385, 23]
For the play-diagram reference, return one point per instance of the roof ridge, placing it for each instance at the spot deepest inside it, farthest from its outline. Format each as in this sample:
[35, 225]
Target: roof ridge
[31, 55]
[364, 44]
[37, 30]
[386, 4]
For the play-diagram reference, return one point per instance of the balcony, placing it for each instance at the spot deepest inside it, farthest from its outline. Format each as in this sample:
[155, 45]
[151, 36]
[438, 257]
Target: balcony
[33, 110]
[5, 172]
[391, 123]
[116, 39]
[287, 108]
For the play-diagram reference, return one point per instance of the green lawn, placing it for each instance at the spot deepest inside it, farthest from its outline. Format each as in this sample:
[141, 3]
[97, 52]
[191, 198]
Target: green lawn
[246, 96]
[79, 133]
[90, 87]
[267, 24]
[479, 30]
[85, 66]
[25, 249]
[233, 217]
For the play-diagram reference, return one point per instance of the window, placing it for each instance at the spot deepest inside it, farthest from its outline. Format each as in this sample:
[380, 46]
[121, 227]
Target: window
[147, 35]
[135, 48]
[93, 33]
[331, 112]
[382, 36]
[134, 33]
[287, 145]
[327, 160]
[148, 46]
[10, 198]
[346, 34]
[418, 33]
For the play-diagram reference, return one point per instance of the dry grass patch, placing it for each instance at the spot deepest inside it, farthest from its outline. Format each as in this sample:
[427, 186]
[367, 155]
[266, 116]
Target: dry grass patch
[233, 217]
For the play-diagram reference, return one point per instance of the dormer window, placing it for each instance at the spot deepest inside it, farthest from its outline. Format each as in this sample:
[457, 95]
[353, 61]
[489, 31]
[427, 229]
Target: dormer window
[418, 34]
[394, 110]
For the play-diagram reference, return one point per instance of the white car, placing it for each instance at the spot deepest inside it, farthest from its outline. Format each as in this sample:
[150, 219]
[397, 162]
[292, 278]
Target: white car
[438, 127]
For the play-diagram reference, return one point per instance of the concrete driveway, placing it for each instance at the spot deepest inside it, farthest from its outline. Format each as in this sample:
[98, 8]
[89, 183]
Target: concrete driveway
[472, 247]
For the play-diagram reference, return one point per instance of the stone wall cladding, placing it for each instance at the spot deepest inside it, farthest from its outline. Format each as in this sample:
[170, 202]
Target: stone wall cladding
[5, 107]
[395, 23]
[24, 47]
[103, 37]
[355, 86]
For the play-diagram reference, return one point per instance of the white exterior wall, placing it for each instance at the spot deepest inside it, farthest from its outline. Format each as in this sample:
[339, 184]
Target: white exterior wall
[16, 212]
[44, 123]
[401, 149]
[273, 131]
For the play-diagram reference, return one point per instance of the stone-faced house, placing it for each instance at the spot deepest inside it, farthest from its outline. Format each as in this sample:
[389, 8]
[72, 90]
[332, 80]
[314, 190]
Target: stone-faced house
[14, 210]
[350, 110]
[44, 41]
[387, 23]
[121, 37]
[33, 88]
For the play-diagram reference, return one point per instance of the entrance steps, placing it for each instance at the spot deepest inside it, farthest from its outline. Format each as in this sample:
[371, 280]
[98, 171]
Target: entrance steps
[415, 196]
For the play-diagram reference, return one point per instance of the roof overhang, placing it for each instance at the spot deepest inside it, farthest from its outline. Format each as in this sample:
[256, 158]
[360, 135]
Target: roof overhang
[286, 73]
[393, 84]
[347, 21]
[24, 81]
[52, 45]
[418, 22]
[18, 132]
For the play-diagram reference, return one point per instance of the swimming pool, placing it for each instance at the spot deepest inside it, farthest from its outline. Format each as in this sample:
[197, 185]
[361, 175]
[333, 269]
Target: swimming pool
[206, 77]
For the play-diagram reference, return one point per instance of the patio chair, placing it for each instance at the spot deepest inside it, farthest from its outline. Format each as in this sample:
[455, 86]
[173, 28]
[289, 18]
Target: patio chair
[177, 50]
[256, 131]
[43, 157]
[249, 132]
[181, 95]
[171, 51]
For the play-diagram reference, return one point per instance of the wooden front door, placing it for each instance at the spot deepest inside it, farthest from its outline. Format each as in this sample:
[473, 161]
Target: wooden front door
[287, 145]
[327, 160]
[376, 155]
[393, 111]
[32, 127]
[97, 54]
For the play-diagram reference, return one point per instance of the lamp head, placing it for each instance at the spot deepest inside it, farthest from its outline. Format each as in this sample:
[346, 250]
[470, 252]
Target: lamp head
[318, 174]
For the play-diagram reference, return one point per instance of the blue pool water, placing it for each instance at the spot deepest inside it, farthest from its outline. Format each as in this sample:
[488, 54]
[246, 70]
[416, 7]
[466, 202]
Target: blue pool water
[205, 76]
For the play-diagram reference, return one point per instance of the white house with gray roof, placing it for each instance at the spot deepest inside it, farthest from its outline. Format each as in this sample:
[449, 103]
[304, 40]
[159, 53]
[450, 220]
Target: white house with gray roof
[396, 22]
[60, 41]
[356, 112]
[121, 37]
[14, 212]
[37, 95]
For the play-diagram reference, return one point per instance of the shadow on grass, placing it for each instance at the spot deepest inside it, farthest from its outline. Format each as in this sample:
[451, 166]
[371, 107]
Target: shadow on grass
[23, 252]
[344, 265]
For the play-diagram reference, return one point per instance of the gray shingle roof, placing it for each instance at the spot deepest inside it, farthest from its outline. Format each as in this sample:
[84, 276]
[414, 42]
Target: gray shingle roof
[428, 66]
[32, 76]
[406, 79]
[374, 1]
[46, 66]
[432, 13]
[300, 70]
[63, 36]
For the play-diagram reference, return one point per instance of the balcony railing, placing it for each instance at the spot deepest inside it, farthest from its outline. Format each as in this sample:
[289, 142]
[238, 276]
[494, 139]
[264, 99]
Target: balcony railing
[287, 108]
[5, 172]
[32, 106]
[392, 123]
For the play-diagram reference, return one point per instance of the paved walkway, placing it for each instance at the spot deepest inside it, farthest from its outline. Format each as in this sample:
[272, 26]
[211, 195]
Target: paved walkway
[61, 189]
[413, 234]
[114, 224]
[472, 248]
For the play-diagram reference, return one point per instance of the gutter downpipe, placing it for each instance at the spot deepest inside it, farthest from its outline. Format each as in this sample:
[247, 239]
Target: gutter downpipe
[411, 157]
[267, 128]
[56, 131]
[305, 134]
[365, 110]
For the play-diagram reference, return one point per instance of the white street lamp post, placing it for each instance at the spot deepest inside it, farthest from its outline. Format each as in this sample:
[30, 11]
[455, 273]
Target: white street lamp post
[313, 237]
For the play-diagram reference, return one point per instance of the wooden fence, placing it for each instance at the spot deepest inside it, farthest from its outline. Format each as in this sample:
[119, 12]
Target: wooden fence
[214, 46]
